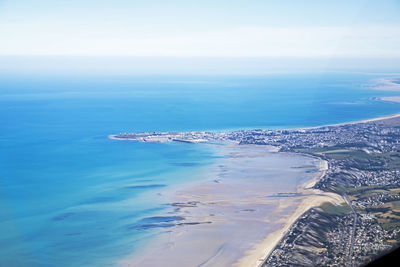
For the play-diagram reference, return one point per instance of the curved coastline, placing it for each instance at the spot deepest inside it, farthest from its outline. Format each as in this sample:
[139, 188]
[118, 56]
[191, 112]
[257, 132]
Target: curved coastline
[305, 198]
[255, 256]
[317, 197]
[311, 198]
[235, 208]
[308, 198]
[391, 116]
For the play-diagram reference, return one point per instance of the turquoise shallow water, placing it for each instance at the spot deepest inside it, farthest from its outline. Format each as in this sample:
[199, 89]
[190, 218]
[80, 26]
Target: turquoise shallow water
[71, 197]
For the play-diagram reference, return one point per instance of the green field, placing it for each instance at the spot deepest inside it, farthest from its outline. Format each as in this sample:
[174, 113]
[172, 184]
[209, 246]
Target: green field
[357, 158]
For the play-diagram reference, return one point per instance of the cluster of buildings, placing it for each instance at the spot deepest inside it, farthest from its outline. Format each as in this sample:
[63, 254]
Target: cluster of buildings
[320, 238]
[364, 164]
[163, 137]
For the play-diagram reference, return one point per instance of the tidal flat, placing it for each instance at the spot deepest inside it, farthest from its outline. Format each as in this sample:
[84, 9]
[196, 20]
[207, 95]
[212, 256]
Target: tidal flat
[248, 199]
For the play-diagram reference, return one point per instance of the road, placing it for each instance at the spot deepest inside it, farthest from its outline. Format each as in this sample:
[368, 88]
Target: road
[350, 257]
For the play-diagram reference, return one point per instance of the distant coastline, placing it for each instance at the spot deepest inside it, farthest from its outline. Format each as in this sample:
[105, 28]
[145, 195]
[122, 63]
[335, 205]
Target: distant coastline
[387, 84]
[395, 99]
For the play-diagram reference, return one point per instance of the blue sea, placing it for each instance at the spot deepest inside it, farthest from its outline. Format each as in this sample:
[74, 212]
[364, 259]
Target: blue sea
[69, 196]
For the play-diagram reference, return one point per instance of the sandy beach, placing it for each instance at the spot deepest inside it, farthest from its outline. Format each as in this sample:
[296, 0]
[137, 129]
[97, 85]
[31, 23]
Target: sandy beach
[389, 98]
[374, 119]
[310, 198]
[238, 215]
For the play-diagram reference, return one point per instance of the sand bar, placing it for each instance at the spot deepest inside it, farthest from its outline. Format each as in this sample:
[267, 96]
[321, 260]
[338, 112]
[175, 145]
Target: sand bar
[387, 84]
[395, 99]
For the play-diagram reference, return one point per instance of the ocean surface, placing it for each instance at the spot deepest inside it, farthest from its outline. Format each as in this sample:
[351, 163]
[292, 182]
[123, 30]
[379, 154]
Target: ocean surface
[69, 196]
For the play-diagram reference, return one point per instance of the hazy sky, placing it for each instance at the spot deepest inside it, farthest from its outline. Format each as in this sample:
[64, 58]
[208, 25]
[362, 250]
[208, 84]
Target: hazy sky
[206, 28]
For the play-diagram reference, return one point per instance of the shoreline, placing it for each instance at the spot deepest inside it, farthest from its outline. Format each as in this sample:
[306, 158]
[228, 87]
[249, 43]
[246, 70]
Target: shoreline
[395, 99]
[237, 208]
[308, 198]
[299, 203]
[386, 117]
[255, 257]
[313, 198]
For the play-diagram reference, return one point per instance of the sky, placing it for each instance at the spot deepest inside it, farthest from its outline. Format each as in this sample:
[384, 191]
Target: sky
[306, 29]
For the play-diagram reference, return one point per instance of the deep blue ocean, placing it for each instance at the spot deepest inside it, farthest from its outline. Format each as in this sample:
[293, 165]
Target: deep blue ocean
[69, 196]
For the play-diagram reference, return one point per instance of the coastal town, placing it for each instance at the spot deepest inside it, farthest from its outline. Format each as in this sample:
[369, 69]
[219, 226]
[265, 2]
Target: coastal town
[364, 166]
[364, 169]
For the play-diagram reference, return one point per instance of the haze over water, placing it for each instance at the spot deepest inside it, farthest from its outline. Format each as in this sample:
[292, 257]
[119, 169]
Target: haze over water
[71, 196]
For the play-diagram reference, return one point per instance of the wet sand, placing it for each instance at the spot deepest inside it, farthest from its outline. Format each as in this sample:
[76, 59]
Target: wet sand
[386, 84]
[391, 98]
[309, 198]
[238, 215]
[114, 137]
